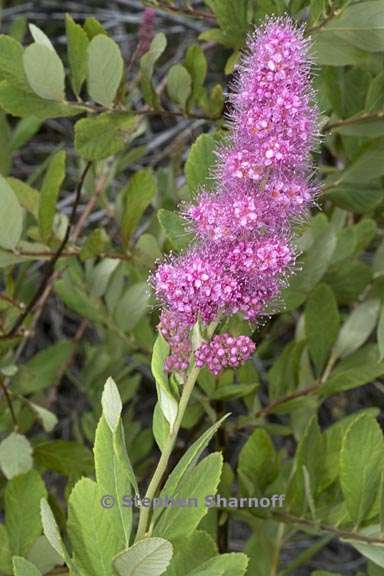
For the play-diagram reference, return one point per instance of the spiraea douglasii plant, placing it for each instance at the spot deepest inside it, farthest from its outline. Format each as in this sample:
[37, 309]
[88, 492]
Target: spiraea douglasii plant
[191, 316]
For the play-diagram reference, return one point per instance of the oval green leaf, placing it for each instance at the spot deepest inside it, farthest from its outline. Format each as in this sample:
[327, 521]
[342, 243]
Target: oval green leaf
[105, 70]
[11, 216]
[149, 557]
[45, 72]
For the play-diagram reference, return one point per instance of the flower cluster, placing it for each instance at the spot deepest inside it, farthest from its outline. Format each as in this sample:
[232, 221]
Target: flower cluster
[243, 252]
[146, 31]
[224, 351]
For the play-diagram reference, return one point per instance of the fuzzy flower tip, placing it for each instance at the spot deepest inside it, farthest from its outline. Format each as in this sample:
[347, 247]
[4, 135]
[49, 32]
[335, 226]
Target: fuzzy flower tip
[224, 351]
[146, 30]
[243, 254]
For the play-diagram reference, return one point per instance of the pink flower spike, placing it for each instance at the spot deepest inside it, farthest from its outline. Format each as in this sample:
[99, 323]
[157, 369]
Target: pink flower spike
[242, 254]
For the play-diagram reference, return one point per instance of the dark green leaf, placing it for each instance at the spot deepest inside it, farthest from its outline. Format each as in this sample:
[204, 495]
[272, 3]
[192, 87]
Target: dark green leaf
[78, 42]
[321, 324]
[22, 511]
[49, 195]
[64, 457]
[201, 158]
[175, 228]
[11, 62]
[179, 85]
[20, 102]
[11, 216]
[361, 25]
[363, 442]
[104, 135]
[258, 459]
[137, 196]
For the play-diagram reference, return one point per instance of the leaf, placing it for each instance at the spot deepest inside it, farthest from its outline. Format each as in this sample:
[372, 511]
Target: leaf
[15, 455]
[39, 37]
[111, 403]
[64, 457]
[380, 333]
[284, 373]
[47, 418]
[132, 306]
[179, 85]
[43, 556]
[367, 165]
[5, 135]
[187, 463]
[307, 458]
[160, 427]
[375, 552]
[225, 564]
[105, 70]
[95, 244]
[137, 196]
[22, 511]
[232, 19]
[11, 216]
[104, 135]
[115, 477]
[362, 25]
[93, 27]
[51, 529]
[45, 72]
[175, 228]
[49, 194]
[363, 442]
[148, 557]
[147, 63]
[331, 50]
[321, 324]
[11, 61]
[73, 292]
[357, 328]
[25, 129]
[77, 46]
[5, 552]
[27, 197]
[258, 460]
[201, 482]
[355, 370]
[201, 159]
[43, 369]
[355, 198]
[93, 550]
[314, 264]
[167, 402]
[24, 568]
[190, 552]
[21, 102]
[196, 64]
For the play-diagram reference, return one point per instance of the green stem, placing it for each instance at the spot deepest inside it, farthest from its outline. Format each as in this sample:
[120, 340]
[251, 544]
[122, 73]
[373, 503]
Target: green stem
[162, 466]
[167, 451]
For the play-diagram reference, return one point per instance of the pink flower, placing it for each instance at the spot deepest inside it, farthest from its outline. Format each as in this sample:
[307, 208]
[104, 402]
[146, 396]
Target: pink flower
[224, 351]
[242, 254]
[273, 110]
[177, 333]
[146, 30]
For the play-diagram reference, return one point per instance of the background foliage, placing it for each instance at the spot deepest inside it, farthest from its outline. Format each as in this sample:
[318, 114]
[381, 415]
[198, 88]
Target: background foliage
[98, 145]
